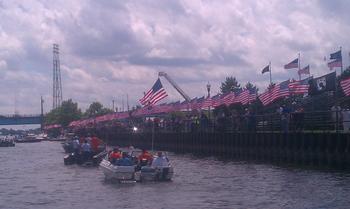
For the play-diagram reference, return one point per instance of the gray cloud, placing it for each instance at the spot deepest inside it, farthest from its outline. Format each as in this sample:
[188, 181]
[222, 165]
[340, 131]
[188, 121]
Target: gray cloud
[110, 48]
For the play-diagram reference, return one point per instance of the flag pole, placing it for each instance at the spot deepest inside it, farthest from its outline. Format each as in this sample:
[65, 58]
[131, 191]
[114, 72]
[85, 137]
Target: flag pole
[299, 66]
[341, 67]
[270, 72]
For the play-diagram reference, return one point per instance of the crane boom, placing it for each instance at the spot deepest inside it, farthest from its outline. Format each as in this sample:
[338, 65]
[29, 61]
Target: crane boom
[172, 82]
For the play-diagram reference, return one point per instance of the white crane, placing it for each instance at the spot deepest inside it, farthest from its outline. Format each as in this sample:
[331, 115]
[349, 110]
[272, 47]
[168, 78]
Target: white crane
[172, 82]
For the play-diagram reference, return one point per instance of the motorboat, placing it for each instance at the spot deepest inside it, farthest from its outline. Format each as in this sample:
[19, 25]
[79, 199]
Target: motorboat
[74, 158]
[159, 173]
[136, 172]
[30, 138]
[117, 173]
[68, 146]
[7, 143]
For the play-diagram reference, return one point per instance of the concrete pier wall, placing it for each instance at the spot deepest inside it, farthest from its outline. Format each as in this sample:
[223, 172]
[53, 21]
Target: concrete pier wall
[310, 149]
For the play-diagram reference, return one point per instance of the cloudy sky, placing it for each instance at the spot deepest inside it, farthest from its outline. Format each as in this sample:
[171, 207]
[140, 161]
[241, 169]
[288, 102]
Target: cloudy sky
[112, 48]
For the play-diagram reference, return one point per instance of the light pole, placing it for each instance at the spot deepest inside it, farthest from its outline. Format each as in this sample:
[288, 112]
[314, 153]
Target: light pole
[113, 105]
[208, 89]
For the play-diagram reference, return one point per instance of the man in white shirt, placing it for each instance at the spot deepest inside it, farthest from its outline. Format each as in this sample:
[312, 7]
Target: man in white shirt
[86, 150]
[160, 161]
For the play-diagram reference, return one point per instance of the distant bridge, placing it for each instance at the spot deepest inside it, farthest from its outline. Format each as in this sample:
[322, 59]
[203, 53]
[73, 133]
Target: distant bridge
[20, 119]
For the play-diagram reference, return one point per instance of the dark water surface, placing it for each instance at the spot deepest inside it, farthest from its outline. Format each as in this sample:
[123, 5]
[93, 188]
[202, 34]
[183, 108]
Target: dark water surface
[33, 176]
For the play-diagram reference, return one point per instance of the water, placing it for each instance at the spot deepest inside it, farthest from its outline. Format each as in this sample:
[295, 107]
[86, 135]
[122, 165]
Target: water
[33, 176]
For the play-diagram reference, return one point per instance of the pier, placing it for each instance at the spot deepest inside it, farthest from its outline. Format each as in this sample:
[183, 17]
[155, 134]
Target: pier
[326, 150]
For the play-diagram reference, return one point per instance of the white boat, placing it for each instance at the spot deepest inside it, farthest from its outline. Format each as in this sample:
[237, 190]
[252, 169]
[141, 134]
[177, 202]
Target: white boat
[117, 173]
[129, 173]
[162, 173]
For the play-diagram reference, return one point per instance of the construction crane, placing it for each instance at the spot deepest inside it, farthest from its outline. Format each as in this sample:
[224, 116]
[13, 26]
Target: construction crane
[172, 82]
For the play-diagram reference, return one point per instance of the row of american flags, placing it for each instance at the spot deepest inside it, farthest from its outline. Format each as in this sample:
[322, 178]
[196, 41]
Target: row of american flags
[277, 91]
[274, 92]
[335, 61]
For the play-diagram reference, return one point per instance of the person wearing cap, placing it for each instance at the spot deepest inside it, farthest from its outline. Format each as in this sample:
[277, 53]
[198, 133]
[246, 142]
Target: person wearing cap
[160, 161]
[115, 155]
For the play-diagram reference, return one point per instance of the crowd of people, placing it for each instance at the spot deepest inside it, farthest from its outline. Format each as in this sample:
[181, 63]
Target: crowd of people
[86, 147]
[284, 119]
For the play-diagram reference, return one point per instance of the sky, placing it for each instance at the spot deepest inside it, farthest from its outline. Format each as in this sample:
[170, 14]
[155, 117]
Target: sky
[110, 49]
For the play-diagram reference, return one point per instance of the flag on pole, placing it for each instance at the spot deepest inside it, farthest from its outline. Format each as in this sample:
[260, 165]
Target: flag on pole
[154, 95]
[335, 63]
[207, 102]
[266, 69]
[292, 64]
[335, 55]
[305, 70]
[336, 60]
[216, 100]
[323, 84]
[299, 87]
[277, 91]
[345, 85]
[242, 97]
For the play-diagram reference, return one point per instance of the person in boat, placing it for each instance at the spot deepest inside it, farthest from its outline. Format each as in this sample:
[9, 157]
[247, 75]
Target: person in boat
[95, 143]
[145, 158]
[125, 160]
[115, 155]
[160, 161]
[86, 150]
[76, 145]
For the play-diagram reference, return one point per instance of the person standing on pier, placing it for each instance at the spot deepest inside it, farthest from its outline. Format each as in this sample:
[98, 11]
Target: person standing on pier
[336, 116]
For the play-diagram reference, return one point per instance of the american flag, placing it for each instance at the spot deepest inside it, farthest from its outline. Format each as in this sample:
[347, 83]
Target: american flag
[278, 91]
[345, 85]
[265, 97]
[207, 102]
[243, 97]
[193, 103]
[335, 55]
[176, 106]
[183, 105]
[335, 63]
[155, 94]
[199, 103]
[216, 100]
[305, 70]
[292, 64]
[227, 99]
[299, 87]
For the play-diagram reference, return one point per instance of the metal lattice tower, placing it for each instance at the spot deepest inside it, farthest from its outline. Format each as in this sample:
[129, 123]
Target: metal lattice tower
[57, 85]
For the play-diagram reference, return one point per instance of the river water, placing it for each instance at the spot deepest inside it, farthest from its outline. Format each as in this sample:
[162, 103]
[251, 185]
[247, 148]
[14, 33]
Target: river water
[34, 176]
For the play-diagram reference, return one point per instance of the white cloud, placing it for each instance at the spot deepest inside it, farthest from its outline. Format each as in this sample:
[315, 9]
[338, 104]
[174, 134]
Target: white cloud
[110, 49]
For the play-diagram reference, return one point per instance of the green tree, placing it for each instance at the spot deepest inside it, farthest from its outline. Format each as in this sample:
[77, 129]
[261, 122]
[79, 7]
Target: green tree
[96, 109]
[64, 114]
[230, 85]
[251, 87]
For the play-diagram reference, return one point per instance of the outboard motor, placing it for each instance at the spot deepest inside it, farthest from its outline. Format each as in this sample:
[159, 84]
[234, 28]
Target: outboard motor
[69, 159]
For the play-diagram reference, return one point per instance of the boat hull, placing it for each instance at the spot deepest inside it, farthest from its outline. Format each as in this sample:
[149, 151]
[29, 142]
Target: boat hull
[118, 173]
[156, 174]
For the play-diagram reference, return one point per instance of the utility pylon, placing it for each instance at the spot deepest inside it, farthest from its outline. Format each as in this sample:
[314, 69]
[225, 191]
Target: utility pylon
[57, 85]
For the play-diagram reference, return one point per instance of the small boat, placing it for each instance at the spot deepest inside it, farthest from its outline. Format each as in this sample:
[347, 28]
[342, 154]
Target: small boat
[117, 173]
[68, 146]
[30, 138]
[74, 158]
[149, 173]
[7, 143]
[134, 172]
